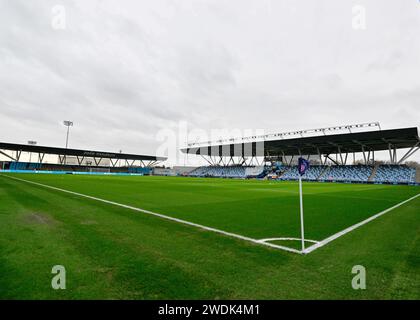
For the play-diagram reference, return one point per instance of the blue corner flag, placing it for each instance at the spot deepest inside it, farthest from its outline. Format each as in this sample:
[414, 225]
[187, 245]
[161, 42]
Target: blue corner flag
[303, 165]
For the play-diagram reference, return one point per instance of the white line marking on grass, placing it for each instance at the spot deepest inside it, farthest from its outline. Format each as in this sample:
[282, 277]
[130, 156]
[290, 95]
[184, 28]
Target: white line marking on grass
[229, 234]
[286, 239]
[355, 226]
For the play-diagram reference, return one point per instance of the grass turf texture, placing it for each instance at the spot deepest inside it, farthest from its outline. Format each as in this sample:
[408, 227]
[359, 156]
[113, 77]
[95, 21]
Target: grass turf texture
[111, 252]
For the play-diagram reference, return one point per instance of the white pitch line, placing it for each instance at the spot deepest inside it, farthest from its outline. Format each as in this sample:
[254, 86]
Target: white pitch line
[286, 239]
[229, 234]
[355, 226]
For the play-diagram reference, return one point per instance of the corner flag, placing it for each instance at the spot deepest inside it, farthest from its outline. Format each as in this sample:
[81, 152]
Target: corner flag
[303, 165]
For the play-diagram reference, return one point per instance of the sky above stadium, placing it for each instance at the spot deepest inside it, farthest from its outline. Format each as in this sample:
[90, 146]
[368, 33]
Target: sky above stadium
[132, 75]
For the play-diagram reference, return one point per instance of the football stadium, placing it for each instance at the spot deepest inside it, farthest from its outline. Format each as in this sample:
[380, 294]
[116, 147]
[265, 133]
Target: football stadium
[209, 159]
[127, 227]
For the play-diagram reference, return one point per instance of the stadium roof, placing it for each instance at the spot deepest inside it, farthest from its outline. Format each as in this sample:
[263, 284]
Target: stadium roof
[76, 152]
[322, 144]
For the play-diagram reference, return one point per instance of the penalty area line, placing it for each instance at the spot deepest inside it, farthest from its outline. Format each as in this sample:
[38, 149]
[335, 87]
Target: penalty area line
[185, 222]
[355, 226]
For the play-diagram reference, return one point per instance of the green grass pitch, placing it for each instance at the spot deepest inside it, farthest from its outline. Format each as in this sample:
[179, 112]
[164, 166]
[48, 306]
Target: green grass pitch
[115, 253]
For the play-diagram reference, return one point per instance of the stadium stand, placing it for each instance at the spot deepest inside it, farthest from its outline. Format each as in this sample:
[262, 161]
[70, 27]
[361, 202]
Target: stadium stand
[139, 170]
[323, 145]
[312, 174]
[219, 171]
[74, 160]
[47, 167]
[175, 171]
[163, 172]
[182, 170]
[379, 173]
[350, 173]
[24, 166]
[334, 173]
[222, 172]
[282, 170]
[353, 173]
[254, 171]
[278, 150]
[395, 174]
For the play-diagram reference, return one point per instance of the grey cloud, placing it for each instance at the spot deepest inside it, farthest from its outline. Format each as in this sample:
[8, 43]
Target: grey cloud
[123, 71]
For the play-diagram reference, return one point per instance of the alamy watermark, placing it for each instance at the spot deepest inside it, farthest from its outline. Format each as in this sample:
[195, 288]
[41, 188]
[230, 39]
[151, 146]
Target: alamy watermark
[58, 17]
[214, 142]
[358, 21]
[59, 280]
[359, 280]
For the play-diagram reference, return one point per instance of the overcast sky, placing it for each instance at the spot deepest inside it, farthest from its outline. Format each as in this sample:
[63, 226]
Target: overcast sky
[123, 71]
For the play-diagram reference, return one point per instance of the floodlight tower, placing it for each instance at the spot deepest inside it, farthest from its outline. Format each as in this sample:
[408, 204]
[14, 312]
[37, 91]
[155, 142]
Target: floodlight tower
[31, 143]
[68, 124]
